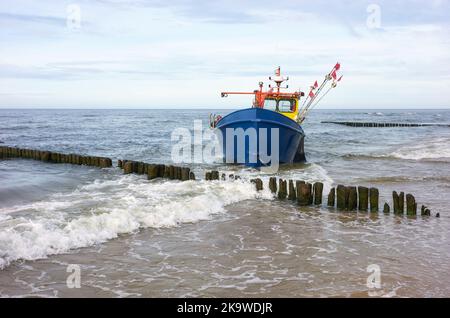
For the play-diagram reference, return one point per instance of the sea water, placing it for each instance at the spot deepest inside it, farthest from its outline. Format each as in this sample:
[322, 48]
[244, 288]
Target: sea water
[132, 237]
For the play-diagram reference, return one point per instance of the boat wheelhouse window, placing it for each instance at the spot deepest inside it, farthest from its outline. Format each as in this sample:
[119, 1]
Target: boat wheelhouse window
[286, 105]
[270, 104]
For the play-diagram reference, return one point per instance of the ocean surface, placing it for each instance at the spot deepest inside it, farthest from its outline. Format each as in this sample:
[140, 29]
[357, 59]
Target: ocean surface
[132, 237]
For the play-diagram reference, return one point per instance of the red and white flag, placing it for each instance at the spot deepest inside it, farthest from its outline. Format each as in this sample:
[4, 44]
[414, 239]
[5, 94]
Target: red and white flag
[337, 66]
[340, 78]
[333, 74]
[311, 94]
[316, 84]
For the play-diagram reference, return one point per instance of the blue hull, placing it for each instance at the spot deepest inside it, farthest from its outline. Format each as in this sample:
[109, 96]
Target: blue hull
[287, 133]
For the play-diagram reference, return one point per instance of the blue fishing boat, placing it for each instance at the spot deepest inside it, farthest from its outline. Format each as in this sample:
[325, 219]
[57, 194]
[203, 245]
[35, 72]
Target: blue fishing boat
[269, 133]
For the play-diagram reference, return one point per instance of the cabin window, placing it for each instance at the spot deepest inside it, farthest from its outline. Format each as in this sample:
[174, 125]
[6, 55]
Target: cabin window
[270, 104]
[286, 105]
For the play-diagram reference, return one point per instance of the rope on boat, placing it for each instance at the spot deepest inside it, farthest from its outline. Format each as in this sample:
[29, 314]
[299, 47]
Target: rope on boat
[333, 85]
[304, 110]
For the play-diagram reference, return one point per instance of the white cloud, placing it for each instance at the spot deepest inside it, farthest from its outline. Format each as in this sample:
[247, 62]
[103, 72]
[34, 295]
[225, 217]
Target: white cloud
[135, 55]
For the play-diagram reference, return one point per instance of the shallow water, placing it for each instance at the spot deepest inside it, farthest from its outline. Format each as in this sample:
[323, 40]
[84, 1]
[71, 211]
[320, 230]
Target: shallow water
[133, 237]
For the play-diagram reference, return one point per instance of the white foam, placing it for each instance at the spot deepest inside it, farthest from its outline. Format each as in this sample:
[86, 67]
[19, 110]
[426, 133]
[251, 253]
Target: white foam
[125, 205]
[436, 149]
[309, 173]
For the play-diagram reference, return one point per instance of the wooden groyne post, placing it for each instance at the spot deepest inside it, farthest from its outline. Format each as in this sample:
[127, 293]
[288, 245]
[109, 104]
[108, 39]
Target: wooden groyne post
[373, 198]
[292, 191]
[411, 205]
[363, 193]
[282, 189]
[383, 125]
[318, 192]
[303, 194]
[154, 171]
[331, 197]
[54, 157]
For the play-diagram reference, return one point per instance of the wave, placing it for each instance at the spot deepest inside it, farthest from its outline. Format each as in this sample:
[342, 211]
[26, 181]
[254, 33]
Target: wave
[436, 149]
[353, 156]
[395, 179]
[306, 172]
[103, 210]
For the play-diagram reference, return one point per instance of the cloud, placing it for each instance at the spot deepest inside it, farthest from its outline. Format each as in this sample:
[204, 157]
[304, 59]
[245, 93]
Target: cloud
[27, 18]
[140, 50]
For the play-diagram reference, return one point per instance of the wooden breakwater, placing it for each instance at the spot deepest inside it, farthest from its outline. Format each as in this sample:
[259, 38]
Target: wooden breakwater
[341, 197]
[381, 125]
[154, 171]
[54, 157]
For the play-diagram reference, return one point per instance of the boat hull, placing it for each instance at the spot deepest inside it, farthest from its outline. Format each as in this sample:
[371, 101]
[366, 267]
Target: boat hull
[250, 150]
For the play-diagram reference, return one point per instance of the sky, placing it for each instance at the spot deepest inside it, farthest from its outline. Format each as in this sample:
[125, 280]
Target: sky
[182, 54]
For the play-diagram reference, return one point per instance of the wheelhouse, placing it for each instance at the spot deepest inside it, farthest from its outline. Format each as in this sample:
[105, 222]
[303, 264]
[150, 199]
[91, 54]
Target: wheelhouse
[286, 106]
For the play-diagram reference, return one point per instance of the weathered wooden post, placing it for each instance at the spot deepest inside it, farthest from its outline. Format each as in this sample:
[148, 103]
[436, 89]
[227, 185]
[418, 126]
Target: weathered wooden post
[311, 194]
[161, 169]
[223, 176]
[214, 175]
[191, 176]
[331, 197]
[152, 172]
[299, 182]
[352, 198]
[54, 157]
[282, 191]
[178, 173]
[411, 205]
[258, 184]
[424, 211]
[128, 167]
[45, 156]
[386, 208]
[340, 197]
[395, 200]
[208, 176]
[401, 202]
[363, 194]
[119, 163]
[318, 191]
[273, 184]
[292, 194]
[303, 194]
[167, 172]
[374, 196]
[185, 174]
[104, 163]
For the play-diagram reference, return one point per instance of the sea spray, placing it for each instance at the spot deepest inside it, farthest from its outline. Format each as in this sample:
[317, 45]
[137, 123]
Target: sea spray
[48, 227]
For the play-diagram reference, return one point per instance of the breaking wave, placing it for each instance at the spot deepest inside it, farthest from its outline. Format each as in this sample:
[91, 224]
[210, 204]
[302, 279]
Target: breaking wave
[435, 150]
[425, 150]
[103, 210]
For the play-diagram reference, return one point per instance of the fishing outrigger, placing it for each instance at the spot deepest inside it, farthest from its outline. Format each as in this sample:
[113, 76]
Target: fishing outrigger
[271, 128]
